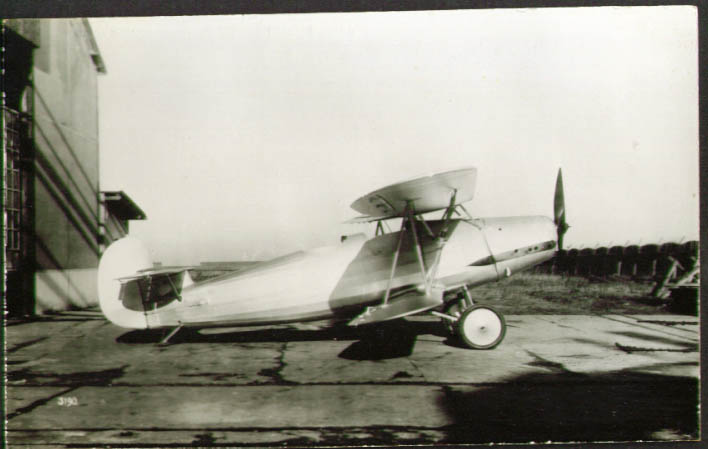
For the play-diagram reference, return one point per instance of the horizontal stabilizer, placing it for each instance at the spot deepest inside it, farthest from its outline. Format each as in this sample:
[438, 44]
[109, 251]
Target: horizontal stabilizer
[408, 304]
[144, 274]
[197, 272]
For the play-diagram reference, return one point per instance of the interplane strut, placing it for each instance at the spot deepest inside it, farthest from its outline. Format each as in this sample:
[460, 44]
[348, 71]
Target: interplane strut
[410, 218]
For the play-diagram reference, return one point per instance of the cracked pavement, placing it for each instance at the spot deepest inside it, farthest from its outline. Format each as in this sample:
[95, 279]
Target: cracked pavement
[75, 379]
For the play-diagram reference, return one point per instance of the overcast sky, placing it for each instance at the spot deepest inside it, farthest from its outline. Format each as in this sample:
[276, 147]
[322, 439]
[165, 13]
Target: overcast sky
[247, 137]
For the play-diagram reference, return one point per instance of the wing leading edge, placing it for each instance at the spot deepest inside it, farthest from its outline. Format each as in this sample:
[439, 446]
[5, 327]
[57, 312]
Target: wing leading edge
[428, 193]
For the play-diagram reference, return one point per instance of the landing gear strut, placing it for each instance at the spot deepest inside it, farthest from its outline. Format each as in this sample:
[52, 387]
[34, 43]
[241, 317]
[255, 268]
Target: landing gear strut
[477, 326]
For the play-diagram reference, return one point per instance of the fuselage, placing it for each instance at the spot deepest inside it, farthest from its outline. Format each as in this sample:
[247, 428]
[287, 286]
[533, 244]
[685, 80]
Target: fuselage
[337, 282]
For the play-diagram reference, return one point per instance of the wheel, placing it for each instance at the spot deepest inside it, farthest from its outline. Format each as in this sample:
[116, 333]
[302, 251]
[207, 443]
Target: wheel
[481, 327]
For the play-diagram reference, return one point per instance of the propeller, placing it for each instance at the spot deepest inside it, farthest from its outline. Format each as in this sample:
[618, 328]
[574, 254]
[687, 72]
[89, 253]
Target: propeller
[559, 210]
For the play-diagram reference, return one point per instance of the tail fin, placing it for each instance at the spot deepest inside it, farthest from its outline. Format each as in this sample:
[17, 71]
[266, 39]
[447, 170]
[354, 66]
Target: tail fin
[123, 258]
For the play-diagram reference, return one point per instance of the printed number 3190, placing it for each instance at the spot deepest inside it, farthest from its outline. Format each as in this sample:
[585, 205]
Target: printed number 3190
[68, 401]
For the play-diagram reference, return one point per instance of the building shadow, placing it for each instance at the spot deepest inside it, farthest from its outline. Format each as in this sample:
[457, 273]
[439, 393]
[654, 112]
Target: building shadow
[657, 339]
[616, 406]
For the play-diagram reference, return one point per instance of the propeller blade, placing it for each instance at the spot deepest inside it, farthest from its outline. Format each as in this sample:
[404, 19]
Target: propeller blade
[559, 210]
[559, 200]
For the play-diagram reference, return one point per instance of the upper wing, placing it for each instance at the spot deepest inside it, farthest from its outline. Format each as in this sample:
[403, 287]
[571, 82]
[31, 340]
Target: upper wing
[428, 193]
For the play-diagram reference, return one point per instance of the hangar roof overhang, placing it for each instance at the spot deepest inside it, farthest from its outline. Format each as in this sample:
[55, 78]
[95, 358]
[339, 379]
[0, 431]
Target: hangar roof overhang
[29, 29]
[93, 47]
[121, 206]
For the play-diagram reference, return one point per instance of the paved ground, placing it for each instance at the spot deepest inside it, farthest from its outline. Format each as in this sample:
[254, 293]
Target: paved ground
[73, 378]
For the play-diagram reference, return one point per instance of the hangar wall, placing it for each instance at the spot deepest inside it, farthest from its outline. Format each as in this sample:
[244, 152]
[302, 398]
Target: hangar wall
[66, 151]
[61, 100]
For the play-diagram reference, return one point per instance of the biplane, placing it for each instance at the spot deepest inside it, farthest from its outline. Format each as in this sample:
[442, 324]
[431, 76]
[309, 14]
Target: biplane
[427, 266]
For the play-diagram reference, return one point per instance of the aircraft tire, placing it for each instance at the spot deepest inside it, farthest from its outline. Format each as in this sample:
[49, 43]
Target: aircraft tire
[481, 327]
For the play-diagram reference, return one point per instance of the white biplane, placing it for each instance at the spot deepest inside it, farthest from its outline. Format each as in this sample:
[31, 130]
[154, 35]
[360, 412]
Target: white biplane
[427, 266]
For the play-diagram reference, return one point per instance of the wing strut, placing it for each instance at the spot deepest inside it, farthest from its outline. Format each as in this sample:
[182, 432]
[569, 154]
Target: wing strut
[395, 259]
[440, 239]
[146, 298]
[413, 300]
[426, 227]
[469, 216]
[174, 289]
[447, 215]
[409, 216]
[418, 251]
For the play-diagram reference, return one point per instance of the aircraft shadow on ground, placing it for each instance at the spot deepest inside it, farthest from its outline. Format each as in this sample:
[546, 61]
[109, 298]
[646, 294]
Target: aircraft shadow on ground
[370, 342]
[615, 406]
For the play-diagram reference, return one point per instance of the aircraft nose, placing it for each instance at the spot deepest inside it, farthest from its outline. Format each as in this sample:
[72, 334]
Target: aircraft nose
[500, 246]
[544, 234]
[549, 232]
[526, 238]
[518, 243]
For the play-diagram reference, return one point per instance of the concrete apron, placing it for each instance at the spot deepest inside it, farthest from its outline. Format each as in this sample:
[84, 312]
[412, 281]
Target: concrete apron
[77, 379]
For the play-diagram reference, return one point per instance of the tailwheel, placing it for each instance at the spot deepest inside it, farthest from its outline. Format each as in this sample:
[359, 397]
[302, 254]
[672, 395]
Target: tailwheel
[481, 327]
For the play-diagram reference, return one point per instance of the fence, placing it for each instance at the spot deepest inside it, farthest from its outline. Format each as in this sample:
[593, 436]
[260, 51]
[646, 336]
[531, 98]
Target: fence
[639, 262]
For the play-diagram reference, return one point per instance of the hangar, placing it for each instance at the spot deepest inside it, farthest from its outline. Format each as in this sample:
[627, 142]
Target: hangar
[56, 219]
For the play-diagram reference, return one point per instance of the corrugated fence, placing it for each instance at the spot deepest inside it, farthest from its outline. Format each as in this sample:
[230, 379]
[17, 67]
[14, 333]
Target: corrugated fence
[639, 262]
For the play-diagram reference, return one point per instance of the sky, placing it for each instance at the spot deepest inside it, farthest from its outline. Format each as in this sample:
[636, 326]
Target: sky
[247, 137]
